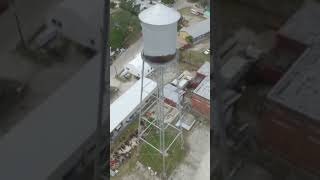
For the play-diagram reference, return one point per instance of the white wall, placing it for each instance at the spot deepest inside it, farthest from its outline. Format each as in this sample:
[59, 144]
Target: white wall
[159, 40]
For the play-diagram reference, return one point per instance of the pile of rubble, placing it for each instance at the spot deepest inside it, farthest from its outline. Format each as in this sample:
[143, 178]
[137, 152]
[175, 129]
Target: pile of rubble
[124, 152]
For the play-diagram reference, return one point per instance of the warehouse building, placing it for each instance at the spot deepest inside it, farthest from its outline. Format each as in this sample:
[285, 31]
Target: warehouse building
[200, 99]
[198, 31]
[290, 123]
[129, 102]
[79, 21]
[57, 138]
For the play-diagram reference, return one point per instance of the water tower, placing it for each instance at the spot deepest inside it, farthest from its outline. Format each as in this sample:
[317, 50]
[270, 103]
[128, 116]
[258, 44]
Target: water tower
[159, 28]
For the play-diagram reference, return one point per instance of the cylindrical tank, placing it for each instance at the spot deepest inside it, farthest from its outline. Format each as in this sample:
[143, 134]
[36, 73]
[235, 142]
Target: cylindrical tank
[159, 28]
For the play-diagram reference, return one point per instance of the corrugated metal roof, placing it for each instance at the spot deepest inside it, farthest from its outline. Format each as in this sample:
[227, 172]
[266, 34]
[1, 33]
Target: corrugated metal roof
[203, 88]
[304, 25]
[204, 69]
[122, 107]
[299, 89]
[198, 29]
[171, 92]
[159, 14]
[53, 131]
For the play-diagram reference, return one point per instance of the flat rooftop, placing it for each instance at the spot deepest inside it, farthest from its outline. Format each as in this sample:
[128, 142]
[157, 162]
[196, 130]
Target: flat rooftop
[171, 92]
[299, 89]
[304, 25]
[203, 88]
[129, 101]
[198, 29]
[204, 69]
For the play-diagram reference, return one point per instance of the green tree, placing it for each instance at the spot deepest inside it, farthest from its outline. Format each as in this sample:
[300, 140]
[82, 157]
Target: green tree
[180, 23]
[130, 6]
[189, 39]
[204, 3]
[169, 2]
[113, 4]
[123, 26]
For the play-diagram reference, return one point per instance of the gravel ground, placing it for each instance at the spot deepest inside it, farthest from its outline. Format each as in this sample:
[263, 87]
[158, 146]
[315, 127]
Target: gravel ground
[197, 162]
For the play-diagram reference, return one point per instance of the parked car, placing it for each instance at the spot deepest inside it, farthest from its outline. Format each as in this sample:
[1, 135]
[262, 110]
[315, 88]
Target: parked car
[119, 127]
[207, 51]
[132, 117]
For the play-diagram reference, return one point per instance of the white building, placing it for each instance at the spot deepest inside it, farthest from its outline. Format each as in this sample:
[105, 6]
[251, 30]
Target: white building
[56, 137]
[79, 20]
[198, 31]
[127, 104]
[134, 67]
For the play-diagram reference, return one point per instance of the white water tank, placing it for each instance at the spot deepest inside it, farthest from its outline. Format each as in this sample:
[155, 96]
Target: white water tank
[159, 28]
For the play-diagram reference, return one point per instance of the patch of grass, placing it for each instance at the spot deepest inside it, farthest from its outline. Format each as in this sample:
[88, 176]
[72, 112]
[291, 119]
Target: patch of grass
[192, 1]
[123, 79]
[125, 28]
[185, 11]
[152, 158]
[192, 60]
[124, 136]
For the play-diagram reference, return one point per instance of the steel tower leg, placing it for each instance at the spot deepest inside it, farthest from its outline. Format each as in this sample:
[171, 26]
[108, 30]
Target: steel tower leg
[140, 112]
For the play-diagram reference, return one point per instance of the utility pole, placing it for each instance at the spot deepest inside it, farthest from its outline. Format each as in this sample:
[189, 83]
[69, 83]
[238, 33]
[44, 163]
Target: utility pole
[105, 59]
[14, 10]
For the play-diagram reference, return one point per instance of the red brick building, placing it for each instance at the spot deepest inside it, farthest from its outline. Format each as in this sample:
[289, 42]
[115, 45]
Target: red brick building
[290, 122]
[200, 99]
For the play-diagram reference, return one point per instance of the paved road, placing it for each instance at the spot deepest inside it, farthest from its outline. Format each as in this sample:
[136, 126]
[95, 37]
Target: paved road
[125, 57]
